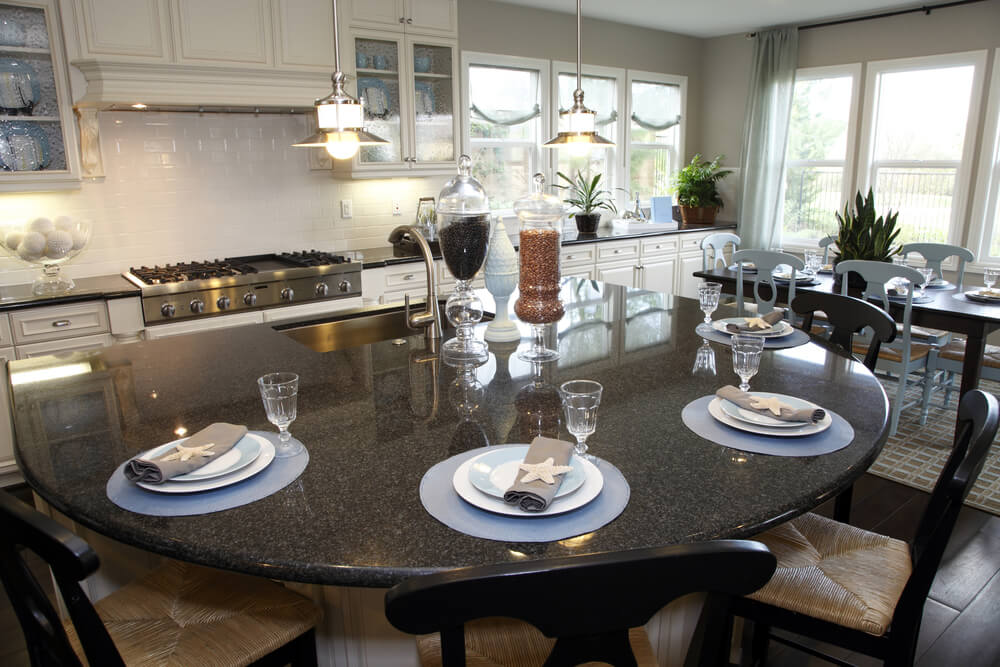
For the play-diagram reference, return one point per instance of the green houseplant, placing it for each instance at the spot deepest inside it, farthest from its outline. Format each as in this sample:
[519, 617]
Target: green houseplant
[862, 235]
[589, 198]
[697, 194]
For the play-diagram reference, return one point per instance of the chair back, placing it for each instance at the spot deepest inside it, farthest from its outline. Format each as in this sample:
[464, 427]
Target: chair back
[588, 603]
[765, 261]
[71, 560]
[876, 275]
[717, 243]
[825, 244]
[847, 316]
[935, 253]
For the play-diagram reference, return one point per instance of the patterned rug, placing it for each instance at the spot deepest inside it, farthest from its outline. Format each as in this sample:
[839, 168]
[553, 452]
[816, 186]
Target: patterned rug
[916, 454]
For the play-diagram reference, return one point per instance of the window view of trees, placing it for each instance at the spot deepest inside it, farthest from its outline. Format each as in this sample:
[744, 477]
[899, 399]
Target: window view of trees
[654, 131]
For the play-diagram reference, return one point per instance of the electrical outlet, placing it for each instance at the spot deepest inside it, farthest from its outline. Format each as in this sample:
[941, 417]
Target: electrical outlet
[395, 207]
[346, 209]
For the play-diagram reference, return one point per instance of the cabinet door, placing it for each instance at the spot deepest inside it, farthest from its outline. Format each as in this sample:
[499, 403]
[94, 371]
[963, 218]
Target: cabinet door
[687, 284]
[236, 32]
[433, 99]
[303, 31]
[657, 274]
[7, 464]
[384, 14]
[432, 17]
[581, 271]
[137, 28]
[379, 64]
[617, 275]
[81, 344]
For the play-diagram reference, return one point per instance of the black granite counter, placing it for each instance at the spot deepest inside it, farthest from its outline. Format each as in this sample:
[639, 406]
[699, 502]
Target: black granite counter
[376, 417]
[14, 297]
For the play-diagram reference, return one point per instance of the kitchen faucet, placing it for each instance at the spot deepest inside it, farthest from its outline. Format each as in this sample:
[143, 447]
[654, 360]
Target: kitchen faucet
[430, 319]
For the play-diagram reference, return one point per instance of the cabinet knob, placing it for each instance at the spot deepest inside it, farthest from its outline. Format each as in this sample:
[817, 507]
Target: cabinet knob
[409, 21]
[61, 323]
[401, 19]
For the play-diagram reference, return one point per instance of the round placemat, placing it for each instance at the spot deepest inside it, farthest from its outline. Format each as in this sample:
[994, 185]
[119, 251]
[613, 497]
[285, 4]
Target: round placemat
[442, 502]
[696, 417]
[276, 476]
[794, 339]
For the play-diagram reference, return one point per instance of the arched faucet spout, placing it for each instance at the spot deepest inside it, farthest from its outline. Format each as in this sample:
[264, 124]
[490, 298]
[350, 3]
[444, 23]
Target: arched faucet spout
[430, 319]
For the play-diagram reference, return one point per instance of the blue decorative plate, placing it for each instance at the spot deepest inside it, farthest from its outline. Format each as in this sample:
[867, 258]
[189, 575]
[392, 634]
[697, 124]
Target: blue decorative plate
[375, 97]
[23, 146]
[494, 472]
[424, 97]
[19, 90]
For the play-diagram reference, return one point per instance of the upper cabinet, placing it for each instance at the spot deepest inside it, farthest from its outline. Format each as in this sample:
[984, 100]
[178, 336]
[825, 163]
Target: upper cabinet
[247, 38]
[415, 17]
[129, 28]
[38, 149]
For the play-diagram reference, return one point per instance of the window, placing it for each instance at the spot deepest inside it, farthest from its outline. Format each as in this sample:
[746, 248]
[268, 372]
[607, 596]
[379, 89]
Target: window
[986, 212]
[920, 121]
[505, 125]
[818, 173]
[655, 137]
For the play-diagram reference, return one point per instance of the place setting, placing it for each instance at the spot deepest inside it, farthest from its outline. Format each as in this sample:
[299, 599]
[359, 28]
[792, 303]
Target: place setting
[218, 467]
[549, 489]
[776, 332]
[988, 294]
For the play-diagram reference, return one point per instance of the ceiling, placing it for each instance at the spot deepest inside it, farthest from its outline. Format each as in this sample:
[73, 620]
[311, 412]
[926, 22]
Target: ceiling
[712, 18]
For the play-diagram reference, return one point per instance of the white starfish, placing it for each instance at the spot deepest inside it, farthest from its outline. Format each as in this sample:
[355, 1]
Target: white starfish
[184, 453]
[544, 471]
[773, 404]
[757, 323]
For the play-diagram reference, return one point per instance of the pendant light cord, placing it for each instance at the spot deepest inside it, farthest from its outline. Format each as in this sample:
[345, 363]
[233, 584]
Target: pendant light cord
[336, 37]
[579, 46]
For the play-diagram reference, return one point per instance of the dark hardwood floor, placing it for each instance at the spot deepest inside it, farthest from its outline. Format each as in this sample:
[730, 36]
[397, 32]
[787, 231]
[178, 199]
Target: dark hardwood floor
[960, 619]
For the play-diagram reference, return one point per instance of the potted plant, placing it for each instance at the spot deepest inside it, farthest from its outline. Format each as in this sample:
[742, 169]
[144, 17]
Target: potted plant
[863, 236]
[695, 186]
[589, 198]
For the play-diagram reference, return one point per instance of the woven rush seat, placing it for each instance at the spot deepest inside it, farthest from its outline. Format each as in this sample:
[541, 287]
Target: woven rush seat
[182, 614]
[504, 642]
[917, 351]
[955, 351]
[836, 572]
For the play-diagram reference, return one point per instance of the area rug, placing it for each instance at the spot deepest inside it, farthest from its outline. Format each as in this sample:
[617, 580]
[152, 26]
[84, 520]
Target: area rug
[916, 454]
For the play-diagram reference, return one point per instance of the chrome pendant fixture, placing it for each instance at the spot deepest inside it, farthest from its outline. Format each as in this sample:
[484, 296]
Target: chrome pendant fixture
[579, 122]
[339, 116]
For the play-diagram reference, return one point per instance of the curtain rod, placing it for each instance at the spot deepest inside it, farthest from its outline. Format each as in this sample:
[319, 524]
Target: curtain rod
[925, 9]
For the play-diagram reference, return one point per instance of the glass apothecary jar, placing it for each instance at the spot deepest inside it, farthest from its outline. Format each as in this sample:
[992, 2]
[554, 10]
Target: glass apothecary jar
[463, 219]
[538, 303]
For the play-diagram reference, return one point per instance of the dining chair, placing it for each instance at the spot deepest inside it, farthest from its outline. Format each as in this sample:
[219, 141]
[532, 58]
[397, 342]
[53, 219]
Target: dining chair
[861, 590]
[765, 261]
[825, 244]
[573, 609]
[904, 356]
[951, 361]
[717, 244]
[935, 253]
[189, 614]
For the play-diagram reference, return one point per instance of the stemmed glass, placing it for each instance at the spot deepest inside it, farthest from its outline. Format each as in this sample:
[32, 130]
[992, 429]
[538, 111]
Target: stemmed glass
[580, 401]
[928, 274]
[704, 359]
[989, 277]
[280, 392]
[708, 299]
[746, 357]
[813, 261]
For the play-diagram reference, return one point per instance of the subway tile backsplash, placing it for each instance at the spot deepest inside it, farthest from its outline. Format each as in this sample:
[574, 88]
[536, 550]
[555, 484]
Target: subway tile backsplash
[184, 186]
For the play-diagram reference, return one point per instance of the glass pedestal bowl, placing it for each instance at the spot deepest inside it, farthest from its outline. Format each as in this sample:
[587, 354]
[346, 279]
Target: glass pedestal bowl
[47, 244]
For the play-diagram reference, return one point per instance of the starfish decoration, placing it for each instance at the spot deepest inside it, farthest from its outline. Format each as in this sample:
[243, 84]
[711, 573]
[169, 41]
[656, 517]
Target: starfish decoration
[757, 323]
[773, 404]
[184, 453]
[544, 471]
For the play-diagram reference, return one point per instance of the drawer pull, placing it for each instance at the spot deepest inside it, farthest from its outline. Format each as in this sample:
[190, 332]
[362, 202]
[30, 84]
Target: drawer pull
[569, 256]
[61, 323]
[618, 250]
[408, 276]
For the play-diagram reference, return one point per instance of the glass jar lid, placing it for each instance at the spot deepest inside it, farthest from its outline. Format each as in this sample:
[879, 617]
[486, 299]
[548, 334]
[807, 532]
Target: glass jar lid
[463, 195]
[539, 207]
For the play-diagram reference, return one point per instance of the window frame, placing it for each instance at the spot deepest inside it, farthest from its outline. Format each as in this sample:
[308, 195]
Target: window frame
[652, 77]
[986, 203]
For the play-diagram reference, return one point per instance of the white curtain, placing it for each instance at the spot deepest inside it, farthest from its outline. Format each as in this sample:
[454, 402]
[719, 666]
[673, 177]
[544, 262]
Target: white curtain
[765, 135]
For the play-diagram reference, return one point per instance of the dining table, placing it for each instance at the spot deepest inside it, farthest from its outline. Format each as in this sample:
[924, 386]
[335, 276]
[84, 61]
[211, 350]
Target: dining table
[376, 416]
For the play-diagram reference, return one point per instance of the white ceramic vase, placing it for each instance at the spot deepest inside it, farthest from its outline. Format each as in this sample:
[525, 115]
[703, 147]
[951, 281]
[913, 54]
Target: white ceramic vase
[501, 281]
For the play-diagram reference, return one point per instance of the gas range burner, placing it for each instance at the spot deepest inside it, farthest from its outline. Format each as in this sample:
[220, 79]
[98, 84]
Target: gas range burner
[184, 271]
[313, 258]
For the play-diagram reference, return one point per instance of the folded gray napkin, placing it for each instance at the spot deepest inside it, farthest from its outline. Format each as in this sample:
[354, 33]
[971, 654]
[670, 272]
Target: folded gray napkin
[535, 495]
[771, 319]
[743, 399]
[189, 455]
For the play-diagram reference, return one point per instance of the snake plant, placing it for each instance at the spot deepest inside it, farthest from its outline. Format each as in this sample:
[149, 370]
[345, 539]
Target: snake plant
[862, 235]
[586, 195]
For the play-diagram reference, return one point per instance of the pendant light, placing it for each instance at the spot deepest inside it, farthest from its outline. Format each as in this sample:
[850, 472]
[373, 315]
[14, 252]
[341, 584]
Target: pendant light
[339, 116]
[580, 123]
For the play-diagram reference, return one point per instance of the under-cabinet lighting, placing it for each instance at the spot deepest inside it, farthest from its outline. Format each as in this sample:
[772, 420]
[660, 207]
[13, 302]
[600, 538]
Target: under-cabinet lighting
[50, 373]
[138, 105]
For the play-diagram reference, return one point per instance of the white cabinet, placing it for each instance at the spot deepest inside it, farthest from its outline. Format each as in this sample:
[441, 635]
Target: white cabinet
[303, 33]
[245, 39]
[423, 17]
[618, 262]
[617, 274]
[577, 261]
[159, 331]
[33, 325]
[8, 468]
[657, 274]
[77, 344]
[689, 261]
[133, 29]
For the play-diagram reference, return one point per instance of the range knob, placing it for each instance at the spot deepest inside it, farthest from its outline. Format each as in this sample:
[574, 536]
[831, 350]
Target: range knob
[167, 310]
[223, 302]
[250, 299]
[197, 306]
[322, 289]
[344, 286]
[287, 294]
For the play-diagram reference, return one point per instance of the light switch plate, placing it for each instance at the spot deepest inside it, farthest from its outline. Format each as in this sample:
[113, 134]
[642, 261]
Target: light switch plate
[346, 209]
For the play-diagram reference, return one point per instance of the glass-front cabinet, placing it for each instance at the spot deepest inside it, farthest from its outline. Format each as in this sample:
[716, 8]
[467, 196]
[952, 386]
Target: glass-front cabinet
[38, 149]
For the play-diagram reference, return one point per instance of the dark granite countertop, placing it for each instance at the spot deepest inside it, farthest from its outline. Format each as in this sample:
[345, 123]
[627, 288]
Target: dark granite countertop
[14, 297]
[376, 417]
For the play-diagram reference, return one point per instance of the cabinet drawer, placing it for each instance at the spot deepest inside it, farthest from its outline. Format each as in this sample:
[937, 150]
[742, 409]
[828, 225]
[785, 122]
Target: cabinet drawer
[55, 322]
[410, 274]
[417, 295]
[692, 241]
[5, 338]
[663, 245]
[59, 346]
[617, 251]
[577, 254]
[446, 281]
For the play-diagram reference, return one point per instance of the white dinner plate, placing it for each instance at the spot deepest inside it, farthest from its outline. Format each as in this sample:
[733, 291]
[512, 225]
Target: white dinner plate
[262, 461]
[715, 409]
[975, 295]
[495, 471]
[748, 267]
[938, 283]
[591, 489]
[242, 454]
[778, 330]
[751, 417]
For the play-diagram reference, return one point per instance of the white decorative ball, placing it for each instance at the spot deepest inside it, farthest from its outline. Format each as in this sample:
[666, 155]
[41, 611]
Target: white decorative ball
[41, 225]
[13, 239]
[79, 238]
[32, 246]
[65, 222]
[60, 242]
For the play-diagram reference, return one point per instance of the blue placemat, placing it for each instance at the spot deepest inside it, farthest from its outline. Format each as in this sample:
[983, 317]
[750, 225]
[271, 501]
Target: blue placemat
[442, 502]
[794, 339]
[696, 417]
[276, 476]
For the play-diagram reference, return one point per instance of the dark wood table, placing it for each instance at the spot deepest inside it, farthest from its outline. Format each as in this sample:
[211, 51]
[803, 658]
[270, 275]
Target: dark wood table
[949, 310]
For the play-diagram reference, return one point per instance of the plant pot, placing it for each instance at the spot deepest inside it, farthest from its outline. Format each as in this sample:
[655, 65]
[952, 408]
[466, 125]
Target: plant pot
[854, 280]
[698, 215]
[586, 223]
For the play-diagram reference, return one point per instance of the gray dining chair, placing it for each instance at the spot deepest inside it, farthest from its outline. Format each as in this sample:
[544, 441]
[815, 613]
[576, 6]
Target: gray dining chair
[825, 244]
[935, 253]
[765, 261]
[717, 244]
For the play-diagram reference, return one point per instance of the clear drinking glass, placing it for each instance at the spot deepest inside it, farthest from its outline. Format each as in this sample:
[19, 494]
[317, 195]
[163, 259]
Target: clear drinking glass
[580, 400]
[989, 277]
[813, 261]
[928, 274]
[708, 299]
[704, 359]
[280, 392]
[746, 357]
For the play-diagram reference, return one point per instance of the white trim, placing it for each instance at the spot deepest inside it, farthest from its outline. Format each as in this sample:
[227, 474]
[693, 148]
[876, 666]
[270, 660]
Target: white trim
[652, 77]
[987, 197]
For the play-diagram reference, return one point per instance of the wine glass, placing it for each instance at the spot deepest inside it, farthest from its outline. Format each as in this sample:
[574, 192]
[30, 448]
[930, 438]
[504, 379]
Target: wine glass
[990, 277]
[708, 299]
[280, 392]
[928, 274]
[580, 401]
[746, 357]
[813, 261]
[704, 359]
